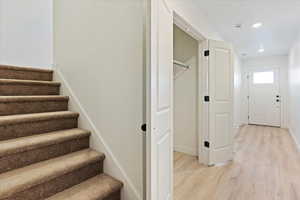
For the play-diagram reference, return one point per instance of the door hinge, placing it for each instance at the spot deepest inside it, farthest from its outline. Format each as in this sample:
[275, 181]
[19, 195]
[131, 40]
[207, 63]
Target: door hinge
[206, 98]
[206, 144]
[248, 117]
[206, 53]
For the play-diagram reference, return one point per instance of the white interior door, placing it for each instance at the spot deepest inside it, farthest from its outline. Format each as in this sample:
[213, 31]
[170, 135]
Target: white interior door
[219, 146]
[264, 98]
[160, 135]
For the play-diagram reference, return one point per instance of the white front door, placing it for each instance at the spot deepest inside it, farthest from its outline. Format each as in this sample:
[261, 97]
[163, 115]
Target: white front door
[160, 107]
[218, 142]
[264, 97]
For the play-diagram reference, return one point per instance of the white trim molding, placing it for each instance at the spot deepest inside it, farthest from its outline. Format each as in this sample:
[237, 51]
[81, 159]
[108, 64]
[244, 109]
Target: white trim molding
[186, 150]
[236, 129]
[187, 27]
[111, 165]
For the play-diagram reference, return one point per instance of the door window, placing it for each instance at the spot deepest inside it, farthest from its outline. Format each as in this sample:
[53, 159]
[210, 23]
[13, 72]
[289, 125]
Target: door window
[263, 77]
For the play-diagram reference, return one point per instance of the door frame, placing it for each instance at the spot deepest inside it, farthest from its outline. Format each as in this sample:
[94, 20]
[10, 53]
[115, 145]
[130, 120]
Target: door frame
[203, 90]
[282, 96]
[150, 7]
[202, 111]
[191, 30]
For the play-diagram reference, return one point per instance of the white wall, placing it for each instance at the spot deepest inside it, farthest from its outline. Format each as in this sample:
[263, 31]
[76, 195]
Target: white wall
[188, 10]
[294, 91]
[237, 95]
[26, 33]
[280, 62]
[98, 50]
[185, 93]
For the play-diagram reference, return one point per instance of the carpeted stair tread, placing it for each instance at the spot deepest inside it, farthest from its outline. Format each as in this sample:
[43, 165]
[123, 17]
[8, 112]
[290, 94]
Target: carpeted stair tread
[27, 82]
[25, 73]
[13, 105]
[17, 119]
[19, 180]
[41, 98]
[43, 153]
[23, 144]
[97, 188]
[15, 87]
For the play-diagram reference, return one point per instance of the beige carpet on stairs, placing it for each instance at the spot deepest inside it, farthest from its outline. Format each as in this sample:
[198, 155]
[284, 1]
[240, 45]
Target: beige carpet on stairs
[43, 153]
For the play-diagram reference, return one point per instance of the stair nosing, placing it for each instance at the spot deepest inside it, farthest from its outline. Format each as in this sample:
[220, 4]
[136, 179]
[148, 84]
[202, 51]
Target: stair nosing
[29, 69]
[24, 144]
[39, 173]
[37, 98]
[28, 82]
[36, 117]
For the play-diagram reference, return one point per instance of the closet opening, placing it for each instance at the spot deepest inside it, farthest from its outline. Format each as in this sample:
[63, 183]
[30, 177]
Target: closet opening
[190, 78]
[186, 78]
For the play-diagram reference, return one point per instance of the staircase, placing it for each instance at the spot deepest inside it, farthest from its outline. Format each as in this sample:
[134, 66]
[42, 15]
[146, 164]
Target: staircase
[43, 154]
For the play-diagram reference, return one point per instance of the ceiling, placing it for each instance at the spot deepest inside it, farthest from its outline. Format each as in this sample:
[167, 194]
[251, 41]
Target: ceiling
[280, 18]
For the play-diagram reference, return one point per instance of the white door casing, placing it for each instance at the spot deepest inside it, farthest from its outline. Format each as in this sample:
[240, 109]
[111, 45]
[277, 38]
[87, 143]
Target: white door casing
[204, 106]
[220, 85]
[160, 135]
[264, 97]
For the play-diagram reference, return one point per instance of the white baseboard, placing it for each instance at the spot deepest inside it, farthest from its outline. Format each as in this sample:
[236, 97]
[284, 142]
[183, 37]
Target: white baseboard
[292, 133]
[111, 165]
[186, 150]
[236, 129]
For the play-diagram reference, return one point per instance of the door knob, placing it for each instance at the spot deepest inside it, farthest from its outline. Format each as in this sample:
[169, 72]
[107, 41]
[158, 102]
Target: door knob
[144, 127]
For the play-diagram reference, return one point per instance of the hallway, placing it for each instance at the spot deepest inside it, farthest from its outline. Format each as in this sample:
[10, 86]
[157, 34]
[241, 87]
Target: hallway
[266, 167]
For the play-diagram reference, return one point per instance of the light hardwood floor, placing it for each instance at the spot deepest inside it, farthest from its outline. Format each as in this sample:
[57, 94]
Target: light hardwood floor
[266, 166]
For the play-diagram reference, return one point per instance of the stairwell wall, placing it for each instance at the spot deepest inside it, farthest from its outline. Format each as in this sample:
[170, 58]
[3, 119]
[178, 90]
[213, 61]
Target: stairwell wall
[26, 33]
[98, 53]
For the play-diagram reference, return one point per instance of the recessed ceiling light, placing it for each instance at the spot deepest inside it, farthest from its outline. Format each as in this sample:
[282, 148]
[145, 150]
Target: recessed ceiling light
[238, 26]
[261, 50]
[257, 25]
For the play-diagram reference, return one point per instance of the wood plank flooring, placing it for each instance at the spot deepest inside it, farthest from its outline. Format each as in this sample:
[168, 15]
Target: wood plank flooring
[266, 166]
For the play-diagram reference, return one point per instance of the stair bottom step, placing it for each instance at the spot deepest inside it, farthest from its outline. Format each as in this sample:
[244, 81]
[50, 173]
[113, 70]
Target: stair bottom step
[101, 187]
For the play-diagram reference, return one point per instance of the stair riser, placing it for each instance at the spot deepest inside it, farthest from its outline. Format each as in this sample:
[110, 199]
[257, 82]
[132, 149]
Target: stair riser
[25, 75]
[25, 90]
[114, 196]
[19, 160]
[13, 108]
[59, 184]
[32, 128]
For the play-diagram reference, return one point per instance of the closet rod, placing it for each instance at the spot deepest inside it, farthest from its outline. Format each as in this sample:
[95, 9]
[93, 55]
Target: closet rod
[181, 64]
